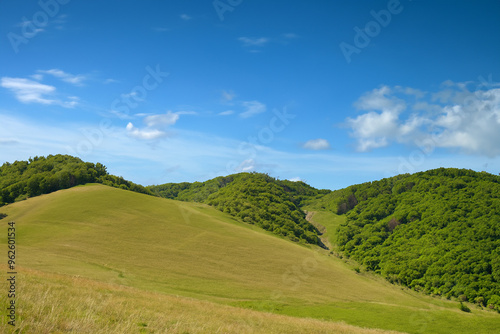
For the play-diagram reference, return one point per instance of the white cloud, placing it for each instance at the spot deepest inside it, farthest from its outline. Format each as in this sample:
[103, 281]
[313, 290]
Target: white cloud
[161, 120]
[317, 144]
[380, 99]
[29, 91]
[226, 113]
[185, 17]
[156, 125]
[252, 108]
[66, 77]
[465, 120]
[146, 134]
[251, 42]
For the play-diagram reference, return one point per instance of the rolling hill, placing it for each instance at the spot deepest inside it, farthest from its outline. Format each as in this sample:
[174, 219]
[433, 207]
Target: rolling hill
[100, 259]
[254, 198]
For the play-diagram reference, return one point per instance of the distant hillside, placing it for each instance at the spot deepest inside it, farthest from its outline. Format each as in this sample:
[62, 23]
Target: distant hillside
[254, 198]
[436, 231]
[43, 175]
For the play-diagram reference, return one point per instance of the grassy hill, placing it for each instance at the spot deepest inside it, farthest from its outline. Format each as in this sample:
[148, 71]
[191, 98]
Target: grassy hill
[272, 204]
[100, 259]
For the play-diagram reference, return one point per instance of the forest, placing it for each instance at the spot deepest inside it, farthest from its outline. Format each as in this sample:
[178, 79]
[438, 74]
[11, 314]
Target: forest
[436, 231]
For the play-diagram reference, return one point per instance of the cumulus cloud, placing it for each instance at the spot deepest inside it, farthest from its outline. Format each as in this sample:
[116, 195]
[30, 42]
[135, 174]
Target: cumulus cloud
[76, 80]
[30, 91]
[454, 117]
[146, 134]
[252, 108]
[317, 144]
[156, 125]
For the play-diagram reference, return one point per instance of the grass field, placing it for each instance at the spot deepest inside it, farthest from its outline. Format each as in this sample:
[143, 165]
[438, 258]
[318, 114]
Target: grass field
[95, 257]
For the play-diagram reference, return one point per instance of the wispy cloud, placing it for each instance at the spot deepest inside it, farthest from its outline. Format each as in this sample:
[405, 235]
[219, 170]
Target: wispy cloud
[252, 108]
[226, 113]
[161, 120]
[454, 118]
[76, 80]
[253, 42]
[29, 91]
[317, 144]
[185, 17]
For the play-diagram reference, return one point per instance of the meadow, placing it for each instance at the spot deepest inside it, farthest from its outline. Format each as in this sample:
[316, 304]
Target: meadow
[99, 259]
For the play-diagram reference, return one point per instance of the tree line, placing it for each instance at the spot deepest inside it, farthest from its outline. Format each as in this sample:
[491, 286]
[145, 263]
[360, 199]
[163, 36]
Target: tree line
[43, 175]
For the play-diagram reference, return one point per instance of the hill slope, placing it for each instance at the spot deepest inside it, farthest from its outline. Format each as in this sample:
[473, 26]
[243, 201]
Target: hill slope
[259, 199]
[94, 238]
[436, 231]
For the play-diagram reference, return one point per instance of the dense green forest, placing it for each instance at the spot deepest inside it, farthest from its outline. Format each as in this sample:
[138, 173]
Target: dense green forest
[42, 175]
[436, 231]
[254, 198]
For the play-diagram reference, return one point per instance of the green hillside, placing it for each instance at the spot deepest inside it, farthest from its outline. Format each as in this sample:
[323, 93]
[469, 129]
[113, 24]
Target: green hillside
[100, 259]
[42, 175]
[274, 205]
[436, 231]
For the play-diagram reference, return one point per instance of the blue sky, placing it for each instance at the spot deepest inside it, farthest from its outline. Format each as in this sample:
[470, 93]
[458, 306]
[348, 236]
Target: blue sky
[330, 92]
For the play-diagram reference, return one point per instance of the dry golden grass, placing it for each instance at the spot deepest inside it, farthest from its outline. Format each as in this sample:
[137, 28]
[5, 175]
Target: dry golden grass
[51, 303]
